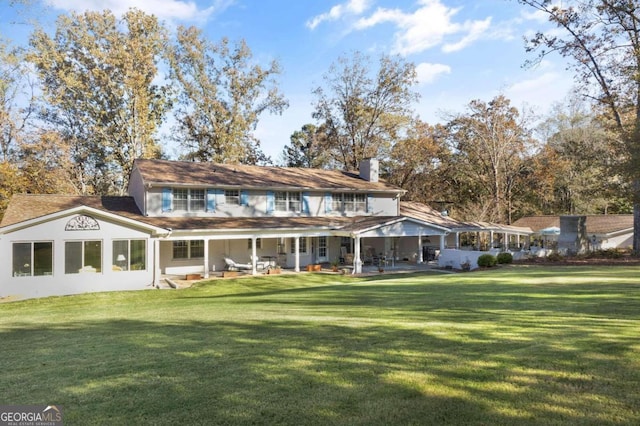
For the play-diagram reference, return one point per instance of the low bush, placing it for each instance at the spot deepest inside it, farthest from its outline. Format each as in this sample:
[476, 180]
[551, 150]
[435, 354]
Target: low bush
[610, 253]
[554, 256]
[504, 258]
[487, 260]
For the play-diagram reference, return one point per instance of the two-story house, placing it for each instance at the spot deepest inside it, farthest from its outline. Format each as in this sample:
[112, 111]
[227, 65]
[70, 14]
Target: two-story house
[189, 217]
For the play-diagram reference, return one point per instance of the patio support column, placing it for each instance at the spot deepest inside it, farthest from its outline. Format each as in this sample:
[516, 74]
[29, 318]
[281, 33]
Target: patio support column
[357, 262]
[442, 246]
[491, 237]
[457, 241]
[297, 267]
[206, 258]
[506, 242]
[420, 256]
[254, 271]
[156, 262]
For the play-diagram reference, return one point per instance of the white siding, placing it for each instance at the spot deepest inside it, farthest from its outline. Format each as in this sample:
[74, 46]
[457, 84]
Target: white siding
[60, 283]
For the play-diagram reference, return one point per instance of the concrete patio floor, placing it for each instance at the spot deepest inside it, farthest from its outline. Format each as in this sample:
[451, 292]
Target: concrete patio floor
[179, 281]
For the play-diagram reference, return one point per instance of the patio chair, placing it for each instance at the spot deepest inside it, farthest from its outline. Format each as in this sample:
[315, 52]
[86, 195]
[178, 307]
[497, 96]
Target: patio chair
[235, 266]
[260, 264]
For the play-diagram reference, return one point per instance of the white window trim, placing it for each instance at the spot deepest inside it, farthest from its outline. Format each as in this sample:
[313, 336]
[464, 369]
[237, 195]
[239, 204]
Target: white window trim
[189, 200]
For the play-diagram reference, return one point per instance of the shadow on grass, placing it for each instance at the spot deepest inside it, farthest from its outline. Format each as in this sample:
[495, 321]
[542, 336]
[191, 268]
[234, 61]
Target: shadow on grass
[468, 349]
[303, 372]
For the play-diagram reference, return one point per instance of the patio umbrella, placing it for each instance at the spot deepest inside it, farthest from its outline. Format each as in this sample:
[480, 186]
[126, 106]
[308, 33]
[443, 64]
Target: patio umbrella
[551, 230]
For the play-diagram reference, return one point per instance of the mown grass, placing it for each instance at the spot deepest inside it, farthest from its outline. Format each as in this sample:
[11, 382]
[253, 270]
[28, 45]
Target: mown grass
[518, 345]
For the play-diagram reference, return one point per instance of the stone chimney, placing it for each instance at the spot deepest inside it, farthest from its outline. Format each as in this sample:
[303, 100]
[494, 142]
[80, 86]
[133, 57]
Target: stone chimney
[369, 169]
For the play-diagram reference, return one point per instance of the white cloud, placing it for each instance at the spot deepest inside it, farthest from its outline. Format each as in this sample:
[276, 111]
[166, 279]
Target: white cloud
[537, 15]
[163, 9]
[428, 73]
[541, 91]
[352, 7]
[474, 30]
[426, 27]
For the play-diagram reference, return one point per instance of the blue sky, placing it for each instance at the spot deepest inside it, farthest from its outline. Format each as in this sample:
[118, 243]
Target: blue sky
[463, 50]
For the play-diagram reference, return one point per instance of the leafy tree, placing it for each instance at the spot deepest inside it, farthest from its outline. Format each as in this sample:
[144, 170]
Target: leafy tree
[581, 161]
[490, 144]
[12, 182]
[418, 162]
[222, 95]
[306, 149]
[15, 84]
[98, 78]
[601, 39]
[363, 112]
[46, 165]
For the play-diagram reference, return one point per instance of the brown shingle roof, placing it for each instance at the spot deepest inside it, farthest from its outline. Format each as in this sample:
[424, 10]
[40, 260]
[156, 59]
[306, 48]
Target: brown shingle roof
[30, 206]
[427, 214]
[537, 223]
[596, 224]
[227, 175]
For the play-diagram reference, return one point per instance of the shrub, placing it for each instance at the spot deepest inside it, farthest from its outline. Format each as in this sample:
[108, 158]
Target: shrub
[610, 253]
[554, 256]
[504, 257]
[487, 260]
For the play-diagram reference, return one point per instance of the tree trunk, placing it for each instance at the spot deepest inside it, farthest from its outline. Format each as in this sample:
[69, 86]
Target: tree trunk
[636, 217]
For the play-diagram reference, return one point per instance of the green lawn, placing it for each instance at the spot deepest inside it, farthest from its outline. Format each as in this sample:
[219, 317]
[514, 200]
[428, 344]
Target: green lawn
[518, 345]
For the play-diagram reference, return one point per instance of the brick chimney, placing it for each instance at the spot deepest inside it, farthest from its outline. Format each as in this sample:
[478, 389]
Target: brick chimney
[369, 169]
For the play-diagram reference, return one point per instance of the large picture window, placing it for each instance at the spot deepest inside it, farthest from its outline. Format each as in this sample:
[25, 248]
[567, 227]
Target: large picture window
[32, 259]
[188, 249]
[82, 256]
[129, 255]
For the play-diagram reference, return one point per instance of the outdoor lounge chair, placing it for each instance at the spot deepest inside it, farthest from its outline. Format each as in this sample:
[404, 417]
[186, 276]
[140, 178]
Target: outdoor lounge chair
[234, 266]
[260, 264]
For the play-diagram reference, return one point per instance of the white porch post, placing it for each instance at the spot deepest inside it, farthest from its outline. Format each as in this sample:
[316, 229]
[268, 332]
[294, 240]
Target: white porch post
[297, 267]
[506, 241]
[206, 258]
[254, 270]
[457, 241]
[156, 262]
[442, 246]
[357, 262]
[420, 257]
[491, 237]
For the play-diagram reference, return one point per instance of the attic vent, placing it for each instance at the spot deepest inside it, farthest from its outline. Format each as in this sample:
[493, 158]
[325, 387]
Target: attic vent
[82, 223]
